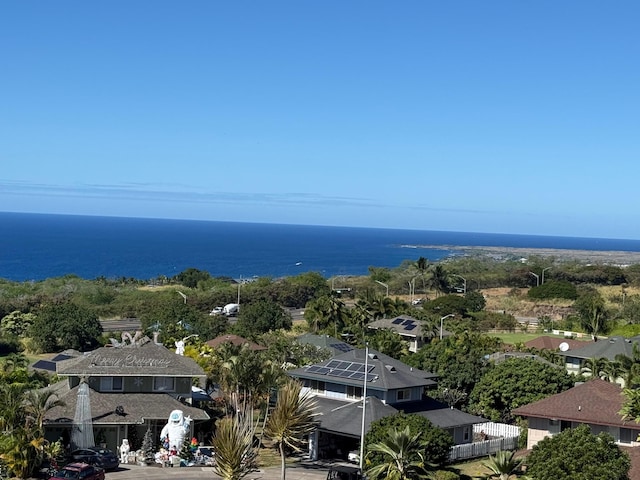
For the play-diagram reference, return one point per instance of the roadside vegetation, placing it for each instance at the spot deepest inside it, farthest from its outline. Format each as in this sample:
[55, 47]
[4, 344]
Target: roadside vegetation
[485, 304]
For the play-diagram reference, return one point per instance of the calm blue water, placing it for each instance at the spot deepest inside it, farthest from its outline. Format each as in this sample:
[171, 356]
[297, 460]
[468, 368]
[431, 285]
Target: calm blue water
[35, 247]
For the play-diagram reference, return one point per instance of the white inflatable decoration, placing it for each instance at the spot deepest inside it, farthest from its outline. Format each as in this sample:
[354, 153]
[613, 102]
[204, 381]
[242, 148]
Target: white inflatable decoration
[124, 451]
[176, 429]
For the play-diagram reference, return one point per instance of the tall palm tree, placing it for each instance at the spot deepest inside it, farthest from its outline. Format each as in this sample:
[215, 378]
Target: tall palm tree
[403, 457]
[233, 444]
[439, 280]
[291, 420]
[503, 464]
[630, 367]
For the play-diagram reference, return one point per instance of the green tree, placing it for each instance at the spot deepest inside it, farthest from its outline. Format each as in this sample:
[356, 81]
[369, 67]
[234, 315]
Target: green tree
[402, 456]
[436, 442]
[65, 325]
[458, 360]
[590, 306]
[577, 454]
[513, 383]
[260, 317]
[17, 323]
[292, 419]
[503, 464]
[439, 280]
[191, 277]
[387, 341]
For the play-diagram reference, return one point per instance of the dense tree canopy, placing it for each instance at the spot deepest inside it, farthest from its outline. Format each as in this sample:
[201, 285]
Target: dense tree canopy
[459, 360]
[514, 383]
[577, 454]
[261, 317]
[437, 442]
[65, 325]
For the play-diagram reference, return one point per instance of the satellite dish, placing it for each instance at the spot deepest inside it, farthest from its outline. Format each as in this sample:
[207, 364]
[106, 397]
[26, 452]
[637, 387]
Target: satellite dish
[564, 346]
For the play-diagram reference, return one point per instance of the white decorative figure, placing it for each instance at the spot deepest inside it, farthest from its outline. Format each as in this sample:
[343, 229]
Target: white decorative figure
[176, 429]
[124, 451]
[180, 347]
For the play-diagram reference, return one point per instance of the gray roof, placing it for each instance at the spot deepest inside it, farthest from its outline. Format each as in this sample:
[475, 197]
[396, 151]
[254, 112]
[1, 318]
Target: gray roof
[138, 407]
[149, 359]
[387, 373]
[440, 414]
[335, 346]
[345, 417]
[605, 348]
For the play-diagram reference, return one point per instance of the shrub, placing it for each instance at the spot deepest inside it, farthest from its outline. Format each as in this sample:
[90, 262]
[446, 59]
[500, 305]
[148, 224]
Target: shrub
[556, 289]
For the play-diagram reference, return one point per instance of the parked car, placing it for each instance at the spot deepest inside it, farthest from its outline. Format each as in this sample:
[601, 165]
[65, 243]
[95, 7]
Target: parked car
[98, 456]
[79, 471]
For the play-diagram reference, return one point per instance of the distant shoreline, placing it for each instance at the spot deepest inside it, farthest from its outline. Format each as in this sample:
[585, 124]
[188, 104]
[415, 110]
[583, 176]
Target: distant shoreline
[609, 257]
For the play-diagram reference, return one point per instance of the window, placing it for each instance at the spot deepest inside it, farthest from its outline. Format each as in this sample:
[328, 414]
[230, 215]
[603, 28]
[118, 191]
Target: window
[354, 392]
[111, 384]
[466, 434]
[164, 384]
[627, 435]
[404, 394]
[317, 386]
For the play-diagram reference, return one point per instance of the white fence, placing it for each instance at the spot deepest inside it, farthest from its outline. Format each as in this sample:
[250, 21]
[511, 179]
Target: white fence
[500, 437]
[497, 429]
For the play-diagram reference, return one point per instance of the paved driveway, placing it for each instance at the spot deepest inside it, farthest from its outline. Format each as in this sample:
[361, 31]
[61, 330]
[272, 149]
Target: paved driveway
[306, 471]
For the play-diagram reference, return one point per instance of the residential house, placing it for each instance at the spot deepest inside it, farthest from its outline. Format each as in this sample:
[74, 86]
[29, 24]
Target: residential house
[338, 386]
[596, 403]
[607, 348]
[133, 386]
[557, 344]
[409, 328]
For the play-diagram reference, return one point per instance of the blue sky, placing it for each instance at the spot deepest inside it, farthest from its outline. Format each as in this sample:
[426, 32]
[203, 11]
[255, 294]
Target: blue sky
[492, 116]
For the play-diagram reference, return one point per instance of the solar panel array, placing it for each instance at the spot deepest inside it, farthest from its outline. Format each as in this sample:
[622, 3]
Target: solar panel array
[342, 369]
[406, 324]
[343, 347]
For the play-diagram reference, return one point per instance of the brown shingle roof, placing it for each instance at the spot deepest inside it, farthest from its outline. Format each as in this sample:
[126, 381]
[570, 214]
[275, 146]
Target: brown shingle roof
[594, 402]
[546, 342]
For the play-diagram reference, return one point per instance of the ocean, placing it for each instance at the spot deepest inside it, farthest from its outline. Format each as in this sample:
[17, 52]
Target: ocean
[34, 247]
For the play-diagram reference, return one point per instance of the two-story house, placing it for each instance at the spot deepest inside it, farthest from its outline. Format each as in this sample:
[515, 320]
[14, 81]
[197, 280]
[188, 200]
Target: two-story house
[132, 387]
[338, 386]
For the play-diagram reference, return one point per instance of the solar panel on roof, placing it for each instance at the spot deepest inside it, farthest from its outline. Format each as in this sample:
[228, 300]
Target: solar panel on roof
[333, 364]
[45, 365]
[410, 327]
[343, 347]
[357, 376]
[407, 322]
[61, 356]
[397, 321]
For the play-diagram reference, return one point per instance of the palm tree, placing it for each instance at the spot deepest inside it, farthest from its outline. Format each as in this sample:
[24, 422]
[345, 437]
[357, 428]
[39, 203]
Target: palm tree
[502, 464]
[403, 457]
[630, 367]
[233, 444]
[595, 367]
[439, 280]
[291, 420]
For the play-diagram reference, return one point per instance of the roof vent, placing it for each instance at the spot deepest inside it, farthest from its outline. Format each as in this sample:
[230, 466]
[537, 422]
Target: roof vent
[373, 356]
[391, 368]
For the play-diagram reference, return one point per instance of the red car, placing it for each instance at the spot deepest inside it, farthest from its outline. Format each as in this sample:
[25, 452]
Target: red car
[80, 471]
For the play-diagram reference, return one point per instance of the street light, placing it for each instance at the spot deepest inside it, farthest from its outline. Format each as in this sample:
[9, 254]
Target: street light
[384, 285]
[364, 401]
[442, 322]
[464, 282]
[543, 270]
[537, 278]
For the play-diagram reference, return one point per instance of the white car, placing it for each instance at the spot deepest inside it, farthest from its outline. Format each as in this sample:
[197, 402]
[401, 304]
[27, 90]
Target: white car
[354, 456]
[216, 311]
